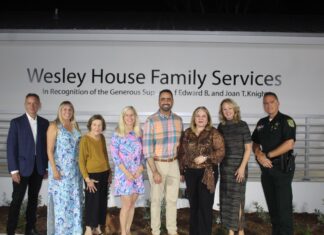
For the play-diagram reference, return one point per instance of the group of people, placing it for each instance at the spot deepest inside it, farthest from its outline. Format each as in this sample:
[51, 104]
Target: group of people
[196, 156]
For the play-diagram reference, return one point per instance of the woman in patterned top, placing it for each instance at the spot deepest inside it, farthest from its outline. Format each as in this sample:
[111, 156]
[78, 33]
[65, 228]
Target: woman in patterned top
[64, 211]
[201, 149]
[95, 169]
[126, 151]
[233, 170]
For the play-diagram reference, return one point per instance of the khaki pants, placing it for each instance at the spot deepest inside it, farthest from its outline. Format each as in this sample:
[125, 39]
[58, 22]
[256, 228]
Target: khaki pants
[168, 188]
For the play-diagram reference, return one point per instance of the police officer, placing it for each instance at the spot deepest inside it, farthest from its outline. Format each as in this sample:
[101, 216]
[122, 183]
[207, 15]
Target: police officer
[273, 142]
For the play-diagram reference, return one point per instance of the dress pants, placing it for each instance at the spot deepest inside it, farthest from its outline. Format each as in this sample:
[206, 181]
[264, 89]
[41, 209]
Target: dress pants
[169, 189]
[96, 203]
[201, 202]
[278, 193]
[34, 183]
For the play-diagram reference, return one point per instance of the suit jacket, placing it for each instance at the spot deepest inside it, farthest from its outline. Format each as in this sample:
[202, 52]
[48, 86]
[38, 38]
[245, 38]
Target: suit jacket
[21, 154]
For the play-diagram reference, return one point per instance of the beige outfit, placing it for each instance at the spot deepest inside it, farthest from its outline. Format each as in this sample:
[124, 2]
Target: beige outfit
[169, 187]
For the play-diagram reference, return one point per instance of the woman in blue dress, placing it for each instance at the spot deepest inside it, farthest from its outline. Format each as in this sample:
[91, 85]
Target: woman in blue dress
[64, 213]
[126, 151]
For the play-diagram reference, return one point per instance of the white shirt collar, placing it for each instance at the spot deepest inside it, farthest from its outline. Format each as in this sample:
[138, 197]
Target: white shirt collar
[30, 119]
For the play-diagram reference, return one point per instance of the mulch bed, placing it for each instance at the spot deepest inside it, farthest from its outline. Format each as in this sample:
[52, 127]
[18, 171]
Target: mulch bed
[305, 223]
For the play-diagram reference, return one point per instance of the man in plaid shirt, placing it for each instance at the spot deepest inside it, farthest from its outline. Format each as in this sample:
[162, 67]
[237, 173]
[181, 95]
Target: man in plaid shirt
[162, 131]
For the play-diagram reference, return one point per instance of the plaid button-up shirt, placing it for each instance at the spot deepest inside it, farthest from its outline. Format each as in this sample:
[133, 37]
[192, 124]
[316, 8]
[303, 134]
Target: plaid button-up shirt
[161, 135]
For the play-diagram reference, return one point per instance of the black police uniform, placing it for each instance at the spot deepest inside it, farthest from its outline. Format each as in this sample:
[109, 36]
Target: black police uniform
[276, 181]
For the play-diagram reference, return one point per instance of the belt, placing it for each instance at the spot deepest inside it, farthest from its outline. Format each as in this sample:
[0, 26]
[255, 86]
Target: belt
[165, 160]
[276, 161]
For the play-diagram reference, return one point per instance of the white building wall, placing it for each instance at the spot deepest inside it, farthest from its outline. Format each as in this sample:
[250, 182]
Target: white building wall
[308, 196]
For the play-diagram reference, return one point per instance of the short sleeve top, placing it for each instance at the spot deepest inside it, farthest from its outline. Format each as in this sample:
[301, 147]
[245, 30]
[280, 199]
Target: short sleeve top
[272, 133]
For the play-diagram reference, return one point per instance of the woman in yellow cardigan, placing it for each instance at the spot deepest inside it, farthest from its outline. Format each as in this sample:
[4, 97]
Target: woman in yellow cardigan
[95, 169]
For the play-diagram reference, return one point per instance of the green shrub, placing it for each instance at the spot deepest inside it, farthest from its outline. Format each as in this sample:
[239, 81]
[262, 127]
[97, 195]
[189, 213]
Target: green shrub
[264, 216]
[301, 229]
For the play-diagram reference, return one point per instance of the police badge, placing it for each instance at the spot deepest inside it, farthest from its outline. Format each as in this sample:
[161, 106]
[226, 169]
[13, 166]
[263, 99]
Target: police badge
[291, 122]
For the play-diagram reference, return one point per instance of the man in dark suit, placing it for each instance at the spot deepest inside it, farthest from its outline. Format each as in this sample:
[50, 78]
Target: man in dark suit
[27, 162]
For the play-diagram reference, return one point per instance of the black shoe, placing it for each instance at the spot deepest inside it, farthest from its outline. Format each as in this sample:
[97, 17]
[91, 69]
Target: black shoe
[32, 232]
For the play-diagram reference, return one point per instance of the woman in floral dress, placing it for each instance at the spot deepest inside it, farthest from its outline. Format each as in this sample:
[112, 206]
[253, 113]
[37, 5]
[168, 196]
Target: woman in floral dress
[64, 211]
[126, 151]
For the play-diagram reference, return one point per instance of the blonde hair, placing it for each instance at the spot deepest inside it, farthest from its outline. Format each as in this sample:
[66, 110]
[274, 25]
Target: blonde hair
[236, 108]
[121, 128]
[193, 125]
[59, 118]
